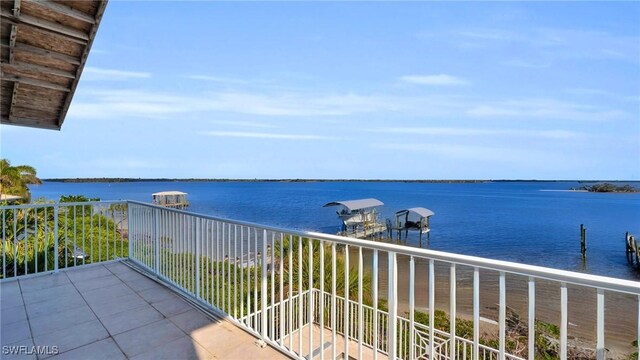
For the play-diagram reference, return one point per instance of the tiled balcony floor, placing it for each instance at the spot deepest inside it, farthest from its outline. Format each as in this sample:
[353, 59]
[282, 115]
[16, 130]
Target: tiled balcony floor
[113, 312]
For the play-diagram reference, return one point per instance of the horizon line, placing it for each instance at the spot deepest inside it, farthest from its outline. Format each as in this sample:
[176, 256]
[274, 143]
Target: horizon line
[140, 179]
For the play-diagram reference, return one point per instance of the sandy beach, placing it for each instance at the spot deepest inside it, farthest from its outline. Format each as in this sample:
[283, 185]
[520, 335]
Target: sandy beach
[621, 310]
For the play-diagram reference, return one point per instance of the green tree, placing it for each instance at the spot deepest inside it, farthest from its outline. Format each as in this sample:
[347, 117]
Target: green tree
[14, 179]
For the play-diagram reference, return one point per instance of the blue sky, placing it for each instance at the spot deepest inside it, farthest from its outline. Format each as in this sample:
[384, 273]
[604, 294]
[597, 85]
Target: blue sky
[401, 90]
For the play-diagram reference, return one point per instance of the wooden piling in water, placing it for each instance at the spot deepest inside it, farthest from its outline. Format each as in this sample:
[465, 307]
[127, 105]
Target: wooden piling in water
[583, 240]
[627, 244]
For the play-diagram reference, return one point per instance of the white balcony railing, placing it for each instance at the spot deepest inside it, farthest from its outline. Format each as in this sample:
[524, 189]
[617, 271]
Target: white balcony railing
[321, 296]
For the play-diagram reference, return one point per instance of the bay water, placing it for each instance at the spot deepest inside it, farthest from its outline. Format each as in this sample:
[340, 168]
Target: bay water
[527, 222]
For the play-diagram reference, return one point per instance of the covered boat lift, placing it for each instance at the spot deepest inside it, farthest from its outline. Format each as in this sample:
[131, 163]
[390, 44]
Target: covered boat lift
[359, 217]
[171, 199]
[416, 218]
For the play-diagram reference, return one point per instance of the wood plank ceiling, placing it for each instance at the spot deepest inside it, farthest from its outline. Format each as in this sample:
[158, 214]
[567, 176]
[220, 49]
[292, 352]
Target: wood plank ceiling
[44, 45]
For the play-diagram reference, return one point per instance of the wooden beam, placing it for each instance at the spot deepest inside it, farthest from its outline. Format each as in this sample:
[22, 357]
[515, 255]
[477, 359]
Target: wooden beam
[49, 26]
[34, 82]
[28, 122]
[43, 52]
[12, 41]
[22, 66]
[14, 97]
[16, 8]
[64, 10]
[92, 35]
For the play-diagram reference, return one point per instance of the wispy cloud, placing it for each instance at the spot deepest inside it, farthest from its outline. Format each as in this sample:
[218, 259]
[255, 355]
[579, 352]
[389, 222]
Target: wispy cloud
[99, 74]
[263, 135]
[490, 34]
[217, 79]
[122, 103]
[460, 151]
[245, 124]
[539, 64]
[549, 44]
[449, 131]
[550, 109]
[141, 103]
[434, 80]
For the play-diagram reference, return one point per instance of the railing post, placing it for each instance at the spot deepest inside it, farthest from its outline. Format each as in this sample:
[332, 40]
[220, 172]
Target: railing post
[129, 223]
[393, 305]
[600, 349]
[263, 292]
[452, 311]
[198, 227]
[55, 236]
[156, 240]
[563, 320]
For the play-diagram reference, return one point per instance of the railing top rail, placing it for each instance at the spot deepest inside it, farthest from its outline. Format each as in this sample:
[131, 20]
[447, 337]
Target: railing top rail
[81, 203]
[596, 281]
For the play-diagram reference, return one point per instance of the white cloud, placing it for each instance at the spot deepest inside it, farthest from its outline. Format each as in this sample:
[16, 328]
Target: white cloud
[123, 103]
[245, 124]
[217, 79]
[539, 64]
[98, 74]
[549, 44]
[435, 80]
[448, 131]
[140, 103]
[549, 109]
[261, 135]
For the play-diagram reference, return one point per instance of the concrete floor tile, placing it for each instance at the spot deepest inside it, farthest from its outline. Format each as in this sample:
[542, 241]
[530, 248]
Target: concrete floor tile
[117, 305]
[117, 267]
[50, 293]
[183, 348]
[45, 281]
[157, 294]
[148, 337]
[17, 331]
[10, 288]
[191, 320]
[108, 292]
[61, 320]
[8, 301]
[172, 306]
[220, 340]
[54, 305]
[141, 284]
[96, 283]
[73, 337]
[101, 350]
[130, 275]
[252, 351]
[13, 314]
[86, 273]
[131, 319]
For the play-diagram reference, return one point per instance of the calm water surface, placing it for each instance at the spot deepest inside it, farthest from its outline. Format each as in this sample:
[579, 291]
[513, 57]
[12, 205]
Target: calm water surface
[516, 221]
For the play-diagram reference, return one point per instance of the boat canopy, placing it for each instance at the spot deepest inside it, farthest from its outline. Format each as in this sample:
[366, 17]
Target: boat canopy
[169, 193]
[420, 211]
[360, 204]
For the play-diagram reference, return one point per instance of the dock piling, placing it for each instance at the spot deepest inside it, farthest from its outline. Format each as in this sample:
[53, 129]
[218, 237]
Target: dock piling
[583, 240]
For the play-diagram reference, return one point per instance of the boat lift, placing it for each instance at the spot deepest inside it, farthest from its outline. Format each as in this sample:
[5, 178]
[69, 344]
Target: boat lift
[171, 199]
[416, 218]
[359, 217]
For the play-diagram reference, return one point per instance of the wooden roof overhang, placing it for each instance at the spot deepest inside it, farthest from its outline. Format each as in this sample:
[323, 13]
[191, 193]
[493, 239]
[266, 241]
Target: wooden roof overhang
[44, 45]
